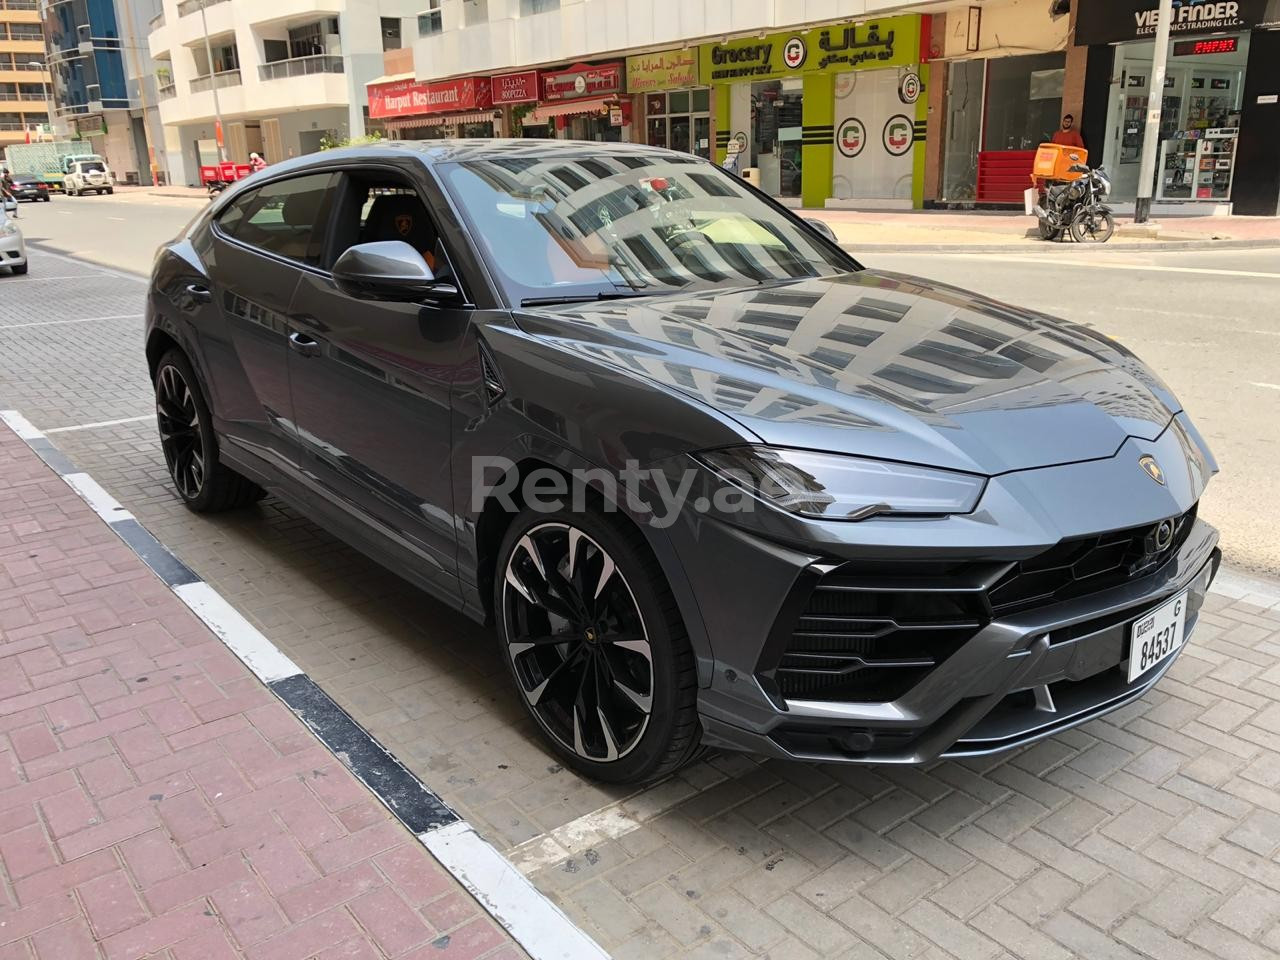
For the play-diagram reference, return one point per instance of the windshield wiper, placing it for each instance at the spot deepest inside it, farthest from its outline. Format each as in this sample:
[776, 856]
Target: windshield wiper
[578, 298]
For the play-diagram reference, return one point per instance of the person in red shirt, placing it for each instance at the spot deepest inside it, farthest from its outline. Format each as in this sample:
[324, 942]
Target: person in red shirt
[1068, 136]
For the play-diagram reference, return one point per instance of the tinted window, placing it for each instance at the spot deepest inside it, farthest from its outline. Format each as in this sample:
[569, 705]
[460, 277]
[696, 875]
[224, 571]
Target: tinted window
[287, 218]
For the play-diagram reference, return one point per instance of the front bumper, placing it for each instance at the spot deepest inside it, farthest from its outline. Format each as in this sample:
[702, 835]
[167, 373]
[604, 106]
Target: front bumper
[1018, 680]
[13, 251]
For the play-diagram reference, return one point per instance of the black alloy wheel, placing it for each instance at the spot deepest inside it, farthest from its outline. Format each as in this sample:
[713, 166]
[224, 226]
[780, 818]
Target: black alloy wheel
[180, 431]
[596, 646]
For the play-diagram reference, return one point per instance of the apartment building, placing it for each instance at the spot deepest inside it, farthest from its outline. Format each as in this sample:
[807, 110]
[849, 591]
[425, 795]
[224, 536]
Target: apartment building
[285, 76]
[24, 75]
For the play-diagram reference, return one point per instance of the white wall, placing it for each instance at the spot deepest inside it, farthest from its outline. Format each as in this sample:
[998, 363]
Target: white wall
[1007, 29]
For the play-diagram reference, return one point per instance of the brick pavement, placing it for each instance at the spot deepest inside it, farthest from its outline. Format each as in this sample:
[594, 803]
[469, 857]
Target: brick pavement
[1152, 833]
[156, 800]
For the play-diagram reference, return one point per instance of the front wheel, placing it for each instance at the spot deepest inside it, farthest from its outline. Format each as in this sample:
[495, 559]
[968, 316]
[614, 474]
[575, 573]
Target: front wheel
[596, 646]
[190, 448]
[1093, 226]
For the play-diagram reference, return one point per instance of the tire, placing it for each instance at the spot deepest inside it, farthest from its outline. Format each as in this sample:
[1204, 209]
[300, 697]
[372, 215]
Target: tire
[45, 199]
[630, 617]
[204, 484]
[20, 269]
[1093, 226]
[1047, 232]
[110, 190]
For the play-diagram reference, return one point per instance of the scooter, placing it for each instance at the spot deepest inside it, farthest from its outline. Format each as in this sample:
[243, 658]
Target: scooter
[1076, 207]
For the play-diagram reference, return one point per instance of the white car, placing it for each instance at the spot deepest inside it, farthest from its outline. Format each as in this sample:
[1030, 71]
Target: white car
[88, 176]
[13, 251]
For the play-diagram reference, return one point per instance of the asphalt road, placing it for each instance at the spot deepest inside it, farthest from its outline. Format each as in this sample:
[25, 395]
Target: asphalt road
[1207, 321]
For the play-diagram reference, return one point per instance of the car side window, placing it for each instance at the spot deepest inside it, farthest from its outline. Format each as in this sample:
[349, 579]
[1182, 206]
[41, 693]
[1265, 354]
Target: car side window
[288, 218]
[380, 207]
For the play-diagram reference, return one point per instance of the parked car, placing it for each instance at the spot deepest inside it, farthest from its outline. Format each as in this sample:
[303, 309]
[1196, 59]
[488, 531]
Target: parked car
[711, 481]
[29, 187]
[13, 250]
[88, 176]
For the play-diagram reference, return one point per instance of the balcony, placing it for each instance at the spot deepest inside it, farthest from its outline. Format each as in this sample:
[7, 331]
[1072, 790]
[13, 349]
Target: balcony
[166, 91]
[193, 6]
[300, 67]
[227, 78]
[156, 22]
[19, 4]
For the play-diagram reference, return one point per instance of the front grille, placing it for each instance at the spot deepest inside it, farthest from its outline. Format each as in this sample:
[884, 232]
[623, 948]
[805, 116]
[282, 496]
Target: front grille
[869, 632]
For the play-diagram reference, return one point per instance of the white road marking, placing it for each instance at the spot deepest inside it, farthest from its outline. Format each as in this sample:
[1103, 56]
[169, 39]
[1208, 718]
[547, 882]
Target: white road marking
[245, 640]
[1265, 386]
[117, 219]
[101, 423]
[54, 323]
[79, 276]
[535, 922]
[24, 428]
[1100, 264]
[92, 493]
[89, 261]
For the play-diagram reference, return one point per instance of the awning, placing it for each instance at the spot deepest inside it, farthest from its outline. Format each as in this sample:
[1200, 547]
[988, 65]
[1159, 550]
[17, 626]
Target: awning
[437, 120]
[571, 108]
[391, 78]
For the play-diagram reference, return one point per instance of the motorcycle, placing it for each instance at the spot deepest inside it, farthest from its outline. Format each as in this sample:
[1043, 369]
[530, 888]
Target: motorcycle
[1076, 207]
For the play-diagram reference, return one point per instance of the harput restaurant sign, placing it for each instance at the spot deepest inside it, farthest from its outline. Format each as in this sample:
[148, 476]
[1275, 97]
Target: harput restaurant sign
[1115, 21]
[405, 98]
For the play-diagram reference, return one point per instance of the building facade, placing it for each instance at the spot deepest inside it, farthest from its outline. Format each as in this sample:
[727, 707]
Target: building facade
[24, 74]
[287, 77]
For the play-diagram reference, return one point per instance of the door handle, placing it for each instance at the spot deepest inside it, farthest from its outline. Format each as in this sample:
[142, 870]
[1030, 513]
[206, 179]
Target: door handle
[301, 343]
[200, 293]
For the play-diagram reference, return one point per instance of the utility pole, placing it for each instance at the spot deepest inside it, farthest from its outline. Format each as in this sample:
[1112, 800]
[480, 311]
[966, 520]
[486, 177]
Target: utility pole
[1155, 103]
[142, 89]
[213, 85]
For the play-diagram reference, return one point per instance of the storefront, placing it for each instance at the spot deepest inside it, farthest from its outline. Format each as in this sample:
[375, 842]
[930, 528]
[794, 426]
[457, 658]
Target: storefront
[514, 95]
[676, 108]
[583, 102]
[831, 116]
[1005, 75]
[412, 110]
[1216, 49]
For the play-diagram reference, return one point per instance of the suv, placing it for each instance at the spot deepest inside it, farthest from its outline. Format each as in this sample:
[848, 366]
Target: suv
[88, 176]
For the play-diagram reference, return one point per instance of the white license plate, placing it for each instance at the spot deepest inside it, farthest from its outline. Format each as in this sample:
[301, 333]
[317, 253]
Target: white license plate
[1157, 636]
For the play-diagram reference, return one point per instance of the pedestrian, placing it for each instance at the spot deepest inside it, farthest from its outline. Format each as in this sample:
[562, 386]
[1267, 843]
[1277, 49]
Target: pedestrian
[256, 162]
[1068, 135]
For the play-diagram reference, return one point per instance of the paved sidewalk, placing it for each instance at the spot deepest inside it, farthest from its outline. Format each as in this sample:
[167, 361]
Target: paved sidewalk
[156, 800]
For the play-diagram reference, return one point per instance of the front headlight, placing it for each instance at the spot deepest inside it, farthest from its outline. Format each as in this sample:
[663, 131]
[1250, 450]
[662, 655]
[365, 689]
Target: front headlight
[834, 487]
[8, 229]
[1104, 181]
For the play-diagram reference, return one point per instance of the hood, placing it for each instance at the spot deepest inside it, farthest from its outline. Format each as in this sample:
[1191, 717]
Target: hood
[881, 365]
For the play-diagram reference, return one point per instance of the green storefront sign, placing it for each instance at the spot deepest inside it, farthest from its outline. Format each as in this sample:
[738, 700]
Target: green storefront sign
[816, 58]
[886, 42]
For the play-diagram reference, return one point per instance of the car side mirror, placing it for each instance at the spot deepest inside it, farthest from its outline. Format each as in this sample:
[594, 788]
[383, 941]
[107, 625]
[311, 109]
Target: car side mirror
[823, 228]
[389, 270]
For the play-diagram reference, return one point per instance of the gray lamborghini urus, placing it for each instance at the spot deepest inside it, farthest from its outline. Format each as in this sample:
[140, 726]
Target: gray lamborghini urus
[712, 482]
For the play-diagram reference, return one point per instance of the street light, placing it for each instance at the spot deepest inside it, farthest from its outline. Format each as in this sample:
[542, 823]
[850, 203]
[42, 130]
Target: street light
[213, 86]
[44, 88]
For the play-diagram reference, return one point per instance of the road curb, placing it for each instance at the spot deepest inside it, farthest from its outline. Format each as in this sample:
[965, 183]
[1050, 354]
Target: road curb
[1159, 246]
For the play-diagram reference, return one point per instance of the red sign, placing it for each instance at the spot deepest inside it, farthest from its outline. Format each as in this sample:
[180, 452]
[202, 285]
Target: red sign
[515, 87]
[1196, 48]
[582, 81]
[406, 98]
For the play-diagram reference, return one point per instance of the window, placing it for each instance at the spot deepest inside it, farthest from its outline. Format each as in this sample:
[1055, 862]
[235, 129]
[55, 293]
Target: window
[310, 39]
[26, 31]
[281, 217]
[390, 33]
[375, 209]
[430, 21]
[530, 7]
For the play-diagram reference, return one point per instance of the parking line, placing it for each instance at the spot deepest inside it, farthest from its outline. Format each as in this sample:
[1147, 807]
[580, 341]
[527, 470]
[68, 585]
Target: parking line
[1265, 386]
[533, 921]
[54, 323]
[78, 276]
[101, 423]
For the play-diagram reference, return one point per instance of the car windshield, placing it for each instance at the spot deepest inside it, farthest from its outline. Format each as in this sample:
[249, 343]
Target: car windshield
[558, 227]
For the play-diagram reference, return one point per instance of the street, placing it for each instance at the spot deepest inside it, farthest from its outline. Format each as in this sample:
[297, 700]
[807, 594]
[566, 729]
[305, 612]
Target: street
[1151, 833]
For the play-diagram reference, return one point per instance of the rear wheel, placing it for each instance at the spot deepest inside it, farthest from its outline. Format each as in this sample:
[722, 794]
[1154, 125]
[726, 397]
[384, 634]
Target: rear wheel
[1093, 226]
[1049, 232]
[20, 269]
[596, 646]
[190, 448]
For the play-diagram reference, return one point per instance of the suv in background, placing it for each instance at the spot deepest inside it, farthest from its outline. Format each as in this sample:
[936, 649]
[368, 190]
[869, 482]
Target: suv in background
[88, 176]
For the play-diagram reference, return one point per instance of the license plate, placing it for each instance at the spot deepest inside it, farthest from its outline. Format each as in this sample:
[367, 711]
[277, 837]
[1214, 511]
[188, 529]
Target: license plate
[1157, 636]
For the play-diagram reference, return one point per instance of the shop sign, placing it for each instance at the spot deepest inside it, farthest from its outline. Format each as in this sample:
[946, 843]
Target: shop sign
[1115, 21]
[851, 137]
[515, 87]
[406, 98]
[898, 134]
[582, 80]
[615, 116]
[666, 70]
[886, 42]
[909, 88]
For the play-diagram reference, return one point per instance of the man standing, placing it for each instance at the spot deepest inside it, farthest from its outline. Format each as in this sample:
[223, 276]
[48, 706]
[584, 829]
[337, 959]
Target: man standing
[1068, 135]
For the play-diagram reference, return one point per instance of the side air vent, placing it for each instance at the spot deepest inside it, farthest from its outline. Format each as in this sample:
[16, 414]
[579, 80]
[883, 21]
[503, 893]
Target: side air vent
[493, 387]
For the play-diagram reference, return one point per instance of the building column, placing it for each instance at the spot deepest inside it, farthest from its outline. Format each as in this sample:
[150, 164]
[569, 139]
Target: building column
[935, 85]
[818, 119]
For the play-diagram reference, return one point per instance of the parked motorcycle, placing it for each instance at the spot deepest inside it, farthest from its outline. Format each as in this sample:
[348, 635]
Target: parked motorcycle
[1077, 208]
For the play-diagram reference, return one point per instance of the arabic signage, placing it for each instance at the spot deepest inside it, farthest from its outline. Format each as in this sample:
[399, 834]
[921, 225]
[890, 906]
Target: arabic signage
[885, 42]
[404, 98]
[582, 80]
[1114, 21]
[668, 70]
[515, 87]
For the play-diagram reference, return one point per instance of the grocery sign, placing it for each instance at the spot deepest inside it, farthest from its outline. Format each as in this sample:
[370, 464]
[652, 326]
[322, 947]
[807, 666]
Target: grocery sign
[883, 42]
